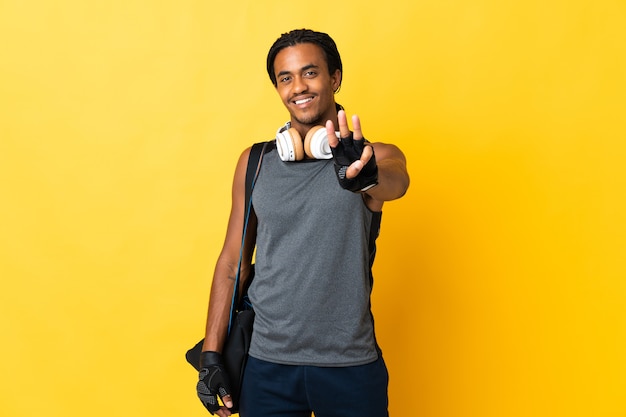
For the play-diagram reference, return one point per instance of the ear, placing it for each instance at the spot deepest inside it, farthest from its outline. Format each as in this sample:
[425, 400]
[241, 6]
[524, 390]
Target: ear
[336, 79]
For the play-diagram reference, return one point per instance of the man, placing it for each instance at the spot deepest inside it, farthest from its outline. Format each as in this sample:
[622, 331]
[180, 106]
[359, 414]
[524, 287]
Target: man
[314, 223]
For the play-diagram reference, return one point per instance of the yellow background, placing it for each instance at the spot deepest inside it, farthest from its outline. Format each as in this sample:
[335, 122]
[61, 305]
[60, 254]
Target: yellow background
[500, 279]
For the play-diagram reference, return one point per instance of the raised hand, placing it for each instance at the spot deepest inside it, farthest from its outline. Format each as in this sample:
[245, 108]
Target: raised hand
[355, 163]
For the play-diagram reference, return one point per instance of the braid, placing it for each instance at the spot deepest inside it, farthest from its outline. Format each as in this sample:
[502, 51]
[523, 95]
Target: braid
[323, 40]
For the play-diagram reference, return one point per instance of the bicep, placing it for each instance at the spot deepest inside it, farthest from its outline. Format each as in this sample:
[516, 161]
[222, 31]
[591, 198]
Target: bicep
[385, 151]
[234, 231]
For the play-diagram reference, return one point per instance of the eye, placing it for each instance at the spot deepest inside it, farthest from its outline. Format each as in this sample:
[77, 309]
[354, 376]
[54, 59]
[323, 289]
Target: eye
[310, 74]
[284, 79]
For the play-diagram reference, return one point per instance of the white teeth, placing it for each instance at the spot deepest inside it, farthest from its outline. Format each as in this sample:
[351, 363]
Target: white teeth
[306, 100]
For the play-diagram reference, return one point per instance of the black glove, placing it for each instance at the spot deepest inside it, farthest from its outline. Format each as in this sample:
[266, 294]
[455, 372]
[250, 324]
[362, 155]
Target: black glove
[213, 380]
[345, 153]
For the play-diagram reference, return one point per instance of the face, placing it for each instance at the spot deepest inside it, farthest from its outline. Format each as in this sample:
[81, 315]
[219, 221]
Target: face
[305, 86]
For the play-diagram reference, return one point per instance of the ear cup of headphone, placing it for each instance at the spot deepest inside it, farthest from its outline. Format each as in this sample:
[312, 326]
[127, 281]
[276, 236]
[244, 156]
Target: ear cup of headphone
[289, 144]
[316, 143]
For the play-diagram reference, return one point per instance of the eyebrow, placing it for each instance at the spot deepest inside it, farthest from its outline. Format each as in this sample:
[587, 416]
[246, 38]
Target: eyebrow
[304, 68]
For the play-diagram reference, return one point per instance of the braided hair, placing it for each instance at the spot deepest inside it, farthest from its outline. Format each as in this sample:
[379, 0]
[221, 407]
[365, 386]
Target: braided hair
[323, 40]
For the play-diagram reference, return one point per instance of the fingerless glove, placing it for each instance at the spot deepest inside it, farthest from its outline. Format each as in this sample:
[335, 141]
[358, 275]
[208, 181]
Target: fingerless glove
[213, 380]
[345, 153]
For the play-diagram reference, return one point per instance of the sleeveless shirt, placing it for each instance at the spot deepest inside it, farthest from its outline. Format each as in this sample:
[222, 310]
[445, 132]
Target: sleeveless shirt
[312, 284]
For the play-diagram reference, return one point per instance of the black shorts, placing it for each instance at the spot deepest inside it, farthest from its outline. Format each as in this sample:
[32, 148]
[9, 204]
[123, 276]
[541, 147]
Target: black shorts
[271, 389]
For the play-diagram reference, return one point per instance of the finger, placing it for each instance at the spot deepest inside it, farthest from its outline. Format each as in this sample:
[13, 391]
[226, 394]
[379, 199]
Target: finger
[228, 401]
[223, 412]
[344, 129]
[330, 133]
[355, 168]
[356, 127]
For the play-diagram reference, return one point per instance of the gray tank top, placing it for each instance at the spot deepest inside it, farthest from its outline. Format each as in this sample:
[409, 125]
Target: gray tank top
[312, 284]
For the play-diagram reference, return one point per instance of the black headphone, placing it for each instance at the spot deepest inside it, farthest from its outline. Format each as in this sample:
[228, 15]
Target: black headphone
[291, 147]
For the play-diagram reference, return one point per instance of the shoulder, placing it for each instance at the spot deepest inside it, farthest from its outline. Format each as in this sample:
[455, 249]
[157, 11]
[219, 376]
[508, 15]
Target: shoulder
[252, 154]
[243, 159]
[255, 150]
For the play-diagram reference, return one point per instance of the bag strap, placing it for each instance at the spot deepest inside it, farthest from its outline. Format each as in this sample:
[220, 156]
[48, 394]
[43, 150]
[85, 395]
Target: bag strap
[252, 172]
[254, 164]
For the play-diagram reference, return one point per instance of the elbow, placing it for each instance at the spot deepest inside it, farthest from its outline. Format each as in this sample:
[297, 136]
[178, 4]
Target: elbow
[401, 186]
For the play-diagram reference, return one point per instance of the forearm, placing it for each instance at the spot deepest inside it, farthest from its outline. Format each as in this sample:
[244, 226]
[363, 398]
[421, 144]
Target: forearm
[393, 180]
[393, 177]
[219, 306]
[220, 300]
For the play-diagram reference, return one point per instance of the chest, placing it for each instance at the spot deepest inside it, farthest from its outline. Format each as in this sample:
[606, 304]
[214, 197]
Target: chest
[286, 192]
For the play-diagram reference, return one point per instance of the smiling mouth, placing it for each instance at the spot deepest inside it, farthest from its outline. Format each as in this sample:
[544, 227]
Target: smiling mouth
[303, 101]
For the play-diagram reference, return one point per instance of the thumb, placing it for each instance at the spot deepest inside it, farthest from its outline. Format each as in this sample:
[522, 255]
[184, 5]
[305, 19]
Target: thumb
[224, 392]
[354, 169]
[228, 400]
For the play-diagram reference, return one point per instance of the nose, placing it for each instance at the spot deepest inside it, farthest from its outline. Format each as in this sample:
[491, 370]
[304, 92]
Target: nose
[300, 85]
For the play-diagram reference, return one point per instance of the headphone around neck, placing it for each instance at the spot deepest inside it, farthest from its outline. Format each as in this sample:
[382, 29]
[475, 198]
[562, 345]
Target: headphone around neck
[291, 147]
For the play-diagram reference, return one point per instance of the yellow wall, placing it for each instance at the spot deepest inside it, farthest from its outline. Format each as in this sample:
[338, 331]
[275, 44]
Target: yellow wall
[500, 282]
